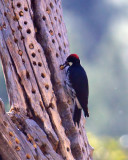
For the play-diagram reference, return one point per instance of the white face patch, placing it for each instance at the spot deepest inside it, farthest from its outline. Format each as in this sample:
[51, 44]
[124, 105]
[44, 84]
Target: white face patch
[70, 63]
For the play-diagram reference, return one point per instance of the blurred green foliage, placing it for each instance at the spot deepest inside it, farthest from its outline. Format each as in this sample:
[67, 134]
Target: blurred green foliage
[107, 148]
[3, 91]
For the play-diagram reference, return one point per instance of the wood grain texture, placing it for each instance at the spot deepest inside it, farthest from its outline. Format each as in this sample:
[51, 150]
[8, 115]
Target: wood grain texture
[33, 43]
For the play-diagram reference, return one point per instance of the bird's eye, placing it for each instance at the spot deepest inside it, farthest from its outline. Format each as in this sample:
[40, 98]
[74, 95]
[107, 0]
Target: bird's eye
[70, 63]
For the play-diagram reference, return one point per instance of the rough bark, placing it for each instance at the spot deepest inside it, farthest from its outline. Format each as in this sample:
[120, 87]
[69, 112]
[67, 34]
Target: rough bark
[33, 43]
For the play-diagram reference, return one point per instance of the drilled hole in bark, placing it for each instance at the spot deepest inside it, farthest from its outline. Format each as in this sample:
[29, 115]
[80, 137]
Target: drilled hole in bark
[27, 75]
[23, 60]
[34, 63]
[5, 124]
[33, 54]
[44, 18]
[83, 150]
[15, 40]
[51, 5]
[39, 64]
[28, 31]
[39, 50]
[22, 37]
[28, 156]
[31, 46]
[55, 18]
[43, 75]
[85, 144]
[59, 21]
[59, 35]
[64, 51]
[53, 41]
[21, 13]
[56, 11]
[44, 148]
[25, 22]
[19, 27]
[33, 91]
[26, 9]
[57, 55]
[60, 48]
[5, 14]
[51, 32]
[16, 18]
[51, 23]
[55, 1]
[18, 4]
[64, 45]
[20, 52]
[4, 25]
[36, 140]
[48, 10]
[47, 86]
[68, 149]
[80, 132]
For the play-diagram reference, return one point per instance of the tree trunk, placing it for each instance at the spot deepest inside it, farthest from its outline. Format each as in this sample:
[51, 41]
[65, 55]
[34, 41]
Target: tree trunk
[33, 44]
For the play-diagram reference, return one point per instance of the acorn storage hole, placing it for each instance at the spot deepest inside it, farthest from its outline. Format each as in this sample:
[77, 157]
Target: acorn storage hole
[33, 91]
[23, 60]
[15, 40]
[68, 149]
[51, 32]
[43, 75]
[55, 18]
[5, 14]
[33, 55]
[20, 52]
[51, 5]
[31, 46]
[18, 4]
[39, 64]
[53, 41]
[21, 13]
[47, 86]
[25, 22]
[48, 10]
[59, 35]
[27, 75]
[26, 9]
[28, 31]
[57, 55]
[44, 18]
[60, 48]
[34, 63]
[39, 50]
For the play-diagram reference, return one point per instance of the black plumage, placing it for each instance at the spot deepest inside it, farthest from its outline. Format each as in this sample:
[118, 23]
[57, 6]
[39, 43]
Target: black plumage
[79, 82]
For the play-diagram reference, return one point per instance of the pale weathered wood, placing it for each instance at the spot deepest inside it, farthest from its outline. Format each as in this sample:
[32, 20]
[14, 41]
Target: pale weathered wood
[33, 44]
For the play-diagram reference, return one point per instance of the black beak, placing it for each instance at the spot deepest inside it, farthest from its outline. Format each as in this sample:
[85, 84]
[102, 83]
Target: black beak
[64, 65]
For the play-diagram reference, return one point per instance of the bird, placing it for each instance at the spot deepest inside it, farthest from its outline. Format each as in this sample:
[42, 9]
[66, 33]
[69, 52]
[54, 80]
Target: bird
[77, 82]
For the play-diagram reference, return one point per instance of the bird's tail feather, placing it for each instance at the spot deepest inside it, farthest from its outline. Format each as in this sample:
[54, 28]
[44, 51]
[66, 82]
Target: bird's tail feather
[77, 115]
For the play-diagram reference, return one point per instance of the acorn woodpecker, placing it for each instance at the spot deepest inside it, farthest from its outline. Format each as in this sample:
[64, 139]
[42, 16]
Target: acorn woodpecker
[77, 83]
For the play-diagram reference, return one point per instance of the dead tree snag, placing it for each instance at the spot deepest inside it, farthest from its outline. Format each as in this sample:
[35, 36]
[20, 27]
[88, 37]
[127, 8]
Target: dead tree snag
[33, 43]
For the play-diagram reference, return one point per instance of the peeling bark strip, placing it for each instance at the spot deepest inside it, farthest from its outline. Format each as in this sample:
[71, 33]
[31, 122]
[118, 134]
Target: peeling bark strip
[33, 43]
